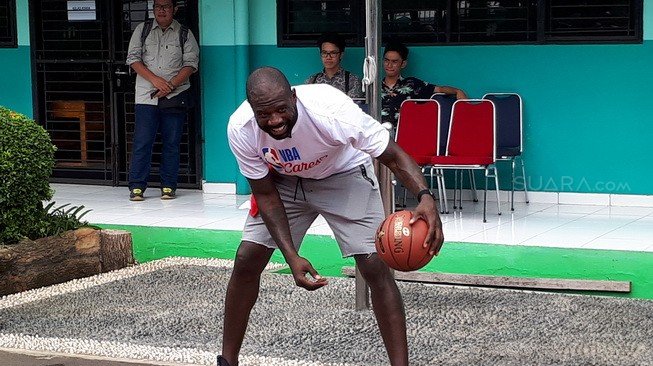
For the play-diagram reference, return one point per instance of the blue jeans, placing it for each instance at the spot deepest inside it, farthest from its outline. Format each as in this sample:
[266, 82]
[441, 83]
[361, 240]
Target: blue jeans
[150, 119]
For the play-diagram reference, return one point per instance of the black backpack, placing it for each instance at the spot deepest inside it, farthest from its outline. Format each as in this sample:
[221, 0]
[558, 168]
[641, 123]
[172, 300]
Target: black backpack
[147, 28]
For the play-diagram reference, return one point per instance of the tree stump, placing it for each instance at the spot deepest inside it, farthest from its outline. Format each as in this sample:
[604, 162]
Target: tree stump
[73, 254]
[115, 250]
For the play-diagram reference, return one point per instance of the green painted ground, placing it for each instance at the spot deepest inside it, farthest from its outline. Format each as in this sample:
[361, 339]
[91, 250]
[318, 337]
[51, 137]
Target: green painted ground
[152, 243]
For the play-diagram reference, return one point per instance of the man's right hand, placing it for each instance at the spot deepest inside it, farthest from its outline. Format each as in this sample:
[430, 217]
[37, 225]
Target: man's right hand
[300, 267]
[162, 85]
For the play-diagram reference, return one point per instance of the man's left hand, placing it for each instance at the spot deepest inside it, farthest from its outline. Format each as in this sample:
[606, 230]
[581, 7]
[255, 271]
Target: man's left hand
[427, 210]
[161, 94]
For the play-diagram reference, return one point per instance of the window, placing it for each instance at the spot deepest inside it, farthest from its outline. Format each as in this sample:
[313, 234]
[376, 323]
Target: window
[435, 22]
[8, 24]
[604, 20]
[300, 22]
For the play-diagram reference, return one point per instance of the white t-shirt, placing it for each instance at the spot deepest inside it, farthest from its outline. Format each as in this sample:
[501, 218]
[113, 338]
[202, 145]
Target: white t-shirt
[332, 135]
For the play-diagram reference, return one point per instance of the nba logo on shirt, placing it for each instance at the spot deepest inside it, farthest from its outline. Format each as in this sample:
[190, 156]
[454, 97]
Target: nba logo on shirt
[271, 156]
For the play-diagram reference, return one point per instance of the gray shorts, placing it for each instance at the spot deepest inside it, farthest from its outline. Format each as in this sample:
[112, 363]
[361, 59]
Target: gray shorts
[350, 202]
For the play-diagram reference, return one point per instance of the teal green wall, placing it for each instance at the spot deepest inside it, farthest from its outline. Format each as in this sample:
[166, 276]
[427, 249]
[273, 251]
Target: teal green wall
[16, 77]
[219, 100]
[586, 106]
[648, 20]
[22, 16]
[224, 67]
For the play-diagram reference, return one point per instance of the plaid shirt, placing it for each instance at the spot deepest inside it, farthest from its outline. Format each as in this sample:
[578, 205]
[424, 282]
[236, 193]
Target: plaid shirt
[338, 82]
[405, 88]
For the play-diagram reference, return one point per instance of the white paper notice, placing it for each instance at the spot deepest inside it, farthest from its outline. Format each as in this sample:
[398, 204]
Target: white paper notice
[81, 10]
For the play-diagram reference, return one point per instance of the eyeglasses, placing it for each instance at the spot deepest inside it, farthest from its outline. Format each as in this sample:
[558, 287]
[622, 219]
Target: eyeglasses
[163, 7]
[331, 54]
[392, 62]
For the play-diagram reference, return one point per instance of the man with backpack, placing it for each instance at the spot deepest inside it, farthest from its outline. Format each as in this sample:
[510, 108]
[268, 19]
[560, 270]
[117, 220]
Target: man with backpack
[164, 54]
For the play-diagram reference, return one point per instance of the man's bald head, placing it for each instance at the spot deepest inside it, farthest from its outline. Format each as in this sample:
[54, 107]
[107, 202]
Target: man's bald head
[273, 102]
[265, 82]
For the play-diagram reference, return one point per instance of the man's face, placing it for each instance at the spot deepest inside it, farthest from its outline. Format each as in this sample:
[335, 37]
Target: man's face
[331, 55]
[393, 63]
[275, 112]
[163, 12]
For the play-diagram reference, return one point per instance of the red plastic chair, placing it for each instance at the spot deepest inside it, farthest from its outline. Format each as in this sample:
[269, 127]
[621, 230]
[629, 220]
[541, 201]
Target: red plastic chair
[417, 134]
[446, 105]
[472, 142]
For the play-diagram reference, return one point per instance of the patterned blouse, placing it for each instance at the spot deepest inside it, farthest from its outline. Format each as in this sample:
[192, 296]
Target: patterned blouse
[338, 81]
[405, 88]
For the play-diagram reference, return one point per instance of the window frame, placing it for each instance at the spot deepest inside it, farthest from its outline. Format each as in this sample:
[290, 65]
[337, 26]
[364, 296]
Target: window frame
[352, 39]
[539, 31]
[11, 41]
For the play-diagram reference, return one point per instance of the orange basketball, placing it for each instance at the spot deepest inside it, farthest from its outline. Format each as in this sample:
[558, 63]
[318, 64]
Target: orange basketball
[400, 244]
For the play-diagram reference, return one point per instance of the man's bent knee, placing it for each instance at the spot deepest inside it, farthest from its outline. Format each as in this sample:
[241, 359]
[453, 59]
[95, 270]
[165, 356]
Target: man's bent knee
[251, 259]
[373, 269]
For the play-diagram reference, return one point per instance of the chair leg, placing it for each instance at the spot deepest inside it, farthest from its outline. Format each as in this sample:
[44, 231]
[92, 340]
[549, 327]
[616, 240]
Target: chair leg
[460, 197]
[439, 188]
[431, 187]
[523, 174]
[496, 185]
[444, 191]
[485, 198]
[472, 179]
[437, 179]
[512, 185]
[455, 189]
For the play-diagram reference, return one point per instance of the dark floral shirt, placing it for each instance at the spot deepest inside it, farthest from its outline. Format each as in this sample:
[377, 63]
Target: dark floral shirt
[405, 88]
[338, 81]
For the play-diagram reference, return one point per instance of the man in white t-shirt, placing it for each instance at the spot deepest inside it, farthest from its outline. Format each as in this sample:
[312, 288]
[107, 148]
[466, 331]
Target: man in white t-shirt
[306, 151]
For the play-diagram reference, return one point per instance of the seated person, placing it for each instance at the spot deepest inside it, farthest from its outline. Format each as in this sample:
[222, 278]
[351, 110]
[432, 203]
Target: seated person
[396, 88]
[332, 50]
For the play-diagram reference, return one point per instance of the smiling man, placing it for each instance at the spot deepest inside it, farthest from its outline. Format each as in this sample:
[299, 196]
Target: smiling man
[307, 151]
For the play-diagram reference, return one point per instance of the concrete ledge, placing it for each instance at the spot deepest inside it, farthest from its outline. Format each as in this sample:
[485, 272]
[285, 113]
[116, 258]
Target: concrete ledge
[508, 282]
[631, 200]
[563, 198]
[219, 188]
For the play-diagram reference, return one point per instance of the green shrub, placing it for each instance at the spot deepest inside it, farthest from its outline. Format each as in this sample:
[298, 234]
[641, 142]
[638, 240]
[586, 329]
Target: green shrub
[26, 162]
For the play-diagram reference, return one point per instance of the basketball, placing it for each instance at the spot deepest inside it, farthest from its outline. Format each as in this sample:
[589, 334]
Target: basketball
[400, 244]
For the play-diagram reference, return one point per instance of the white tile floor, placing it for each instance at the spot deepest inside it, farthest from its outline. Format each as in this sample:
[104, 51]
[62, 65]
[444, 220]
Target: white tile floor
[534, 224]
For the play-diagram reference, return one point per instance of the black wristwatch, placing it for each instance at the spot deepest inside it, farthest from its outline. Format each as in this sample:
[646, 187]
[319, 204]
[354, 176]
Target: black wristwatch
[423, 192]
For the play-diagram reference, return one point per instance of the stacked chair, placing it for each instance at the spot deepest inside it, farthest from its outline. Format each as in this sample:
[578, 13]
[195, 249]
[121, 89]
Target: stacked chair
[510, 135]
[443, 133]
